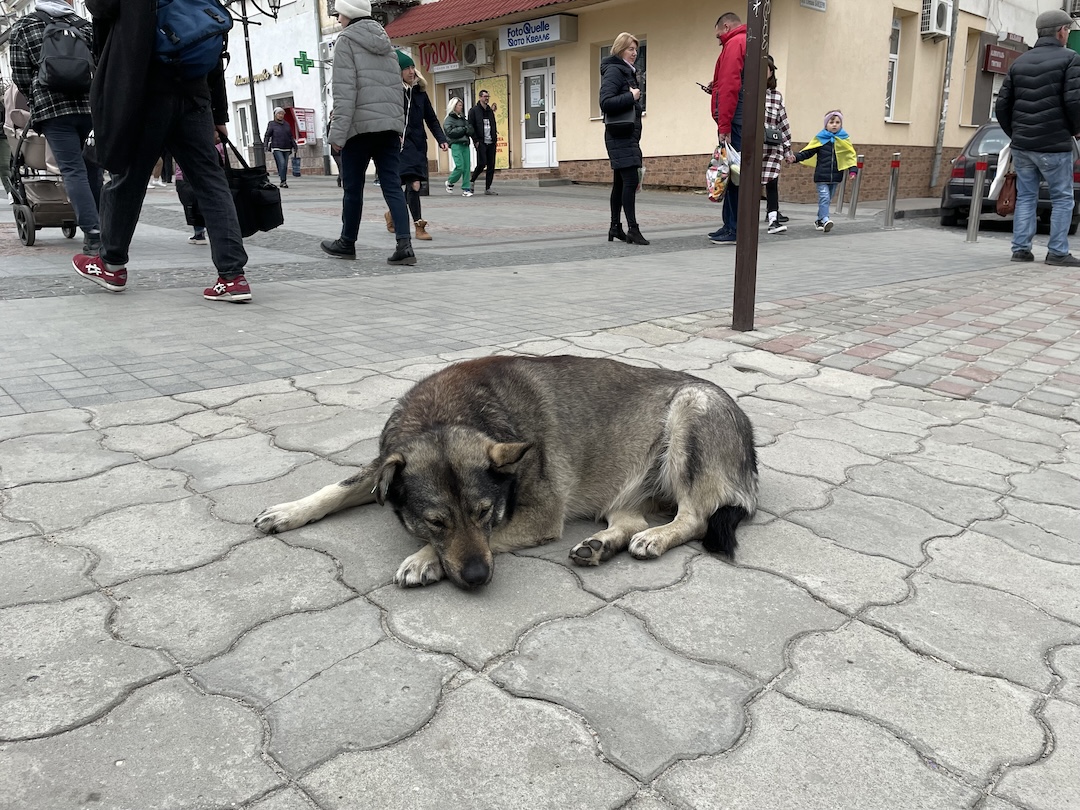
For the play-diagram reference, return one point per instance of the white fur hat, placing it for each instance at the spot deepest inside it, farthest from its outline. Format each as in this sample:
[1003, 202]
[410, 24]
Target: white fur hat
[353, 9]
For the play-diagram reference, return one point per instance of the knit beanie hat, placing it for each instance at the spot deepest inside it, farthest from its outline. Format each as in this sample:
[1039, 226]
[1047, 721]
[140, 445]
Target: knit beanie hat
[833, 114]
[404, 60]
[353, 9]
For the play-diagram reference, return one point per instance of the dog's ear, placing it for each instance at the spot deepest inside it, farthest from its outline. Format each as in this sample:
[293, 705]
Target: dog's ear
[506, 453]
[384, 476]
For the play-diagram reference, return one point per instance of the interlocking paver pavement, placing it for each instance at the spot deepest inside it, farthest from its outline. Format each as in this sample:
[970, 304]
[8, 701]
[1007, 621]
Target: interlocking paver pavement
[901, 627]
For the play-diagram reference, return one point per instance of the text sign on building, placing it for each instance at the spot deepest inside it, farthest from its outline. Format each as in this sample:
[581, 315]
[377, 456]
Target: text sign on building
[541, 33]
[998, 59]
[816, 5]
[438, 56]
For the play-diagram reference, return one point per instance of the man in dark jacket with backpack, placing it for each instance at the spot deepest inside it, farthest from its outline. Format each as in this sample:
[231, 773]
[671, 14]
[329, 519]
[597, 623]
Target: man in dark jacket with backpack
[1039, 109]
[51, 64]
[146, 99]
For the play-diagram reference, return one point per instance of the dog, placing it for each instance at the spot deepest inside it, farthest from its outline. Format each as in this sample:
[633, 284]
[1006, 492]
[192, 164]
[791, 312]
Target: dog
[495, 454]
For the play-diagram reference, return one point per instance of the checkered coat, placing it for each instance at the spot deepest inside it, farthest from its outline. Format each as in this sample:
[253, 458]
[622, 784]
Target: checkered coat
[775, 116]
[27, 35]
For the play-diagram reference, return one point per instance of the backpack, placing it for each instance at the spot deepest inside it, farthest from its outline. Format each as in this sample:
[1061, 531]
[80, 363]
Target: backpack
[67, 65]
[190, 36]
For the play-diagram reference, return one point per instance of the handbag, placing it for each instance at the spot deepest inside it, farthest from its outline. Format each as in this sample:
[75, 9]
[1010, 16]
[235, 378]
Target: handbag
[773, 136]
[1006, 201]
[621, 124]
[295, 165]
[257, 200]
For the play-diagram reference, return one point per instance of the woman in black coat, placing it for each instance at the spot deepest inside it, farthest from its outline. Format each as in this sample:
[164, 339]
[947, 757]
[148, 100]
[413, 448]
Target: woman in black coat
[619, 92]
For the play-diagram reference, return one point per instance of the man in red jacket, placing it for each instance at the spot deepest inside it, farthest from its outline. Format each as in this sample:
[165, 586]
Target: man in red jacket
[726, 108]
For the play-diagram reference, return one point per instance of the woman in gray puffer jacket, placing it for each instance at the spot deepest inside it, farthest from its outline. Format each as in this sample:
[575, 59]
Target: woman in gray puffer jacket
[369, 119]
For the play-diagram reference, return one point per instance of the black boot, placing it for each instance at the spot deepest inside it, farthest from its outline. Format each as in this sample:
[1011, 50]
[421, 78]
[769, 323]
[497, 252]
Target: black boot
[339, 249]
[634, 237]
[616, 232]
[404, 253]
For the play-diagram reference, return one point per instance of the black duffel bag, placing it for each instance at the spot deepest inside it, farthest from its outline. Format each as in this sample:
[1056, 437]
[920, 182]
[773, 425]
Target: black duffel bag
[257, 200]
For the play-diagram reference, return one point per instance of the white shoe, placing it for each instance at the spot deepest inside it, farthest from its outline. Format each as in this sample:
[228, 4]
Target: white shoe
[466, 193]
[449, 188]
[197, 240]
[776, 227]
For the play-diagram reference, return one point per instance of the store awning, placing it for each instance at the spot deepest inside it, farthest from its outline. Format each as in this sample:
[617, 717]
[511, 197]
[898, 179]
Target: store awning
[445, 15]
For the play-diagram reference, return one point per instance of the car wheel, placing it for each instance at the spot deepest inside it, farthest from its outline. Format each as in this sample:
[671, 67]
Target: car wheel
[949, 217]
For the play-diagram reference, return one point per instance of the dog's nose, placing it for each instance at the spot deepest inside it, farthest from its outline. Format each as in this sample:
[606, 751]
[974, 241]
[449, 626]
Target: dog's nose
[475, 572]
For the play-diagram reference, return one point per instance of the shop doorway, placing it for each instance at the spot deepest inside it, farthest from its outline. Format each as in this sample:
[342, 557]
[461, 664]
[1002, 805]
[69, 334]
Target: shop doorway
[538, 106]
[462, 90]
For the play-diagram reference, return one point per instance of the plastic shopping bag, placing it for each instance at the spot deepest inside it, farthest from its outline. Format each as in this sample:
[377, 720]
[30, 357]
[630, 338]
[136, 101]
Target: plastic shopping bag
[716, 176]
[734, 162]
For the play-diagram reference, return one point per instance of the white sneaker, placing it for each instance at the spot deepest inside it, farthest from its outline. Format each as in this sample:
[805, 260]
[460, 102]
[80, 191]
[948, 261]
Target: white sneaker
[827, 225]
[466, 193]
[449, 188]
[776, 227]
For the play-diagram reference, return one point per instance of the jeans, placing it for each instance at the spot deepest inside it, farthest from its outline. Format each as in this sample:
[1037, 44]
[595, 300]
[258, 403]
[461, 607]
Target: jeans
[66, 135]
[385, 149]
[485, 159]
[731, 195]
[825, 194]
[462, 158]
[281, 159]
[184, 125]
[1056, 168]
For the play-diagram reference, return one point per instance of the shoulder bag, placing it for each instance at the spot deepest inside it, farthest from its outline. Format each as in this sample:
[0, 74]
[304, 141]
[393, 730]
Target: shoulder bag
[773, 136]
[621, 123]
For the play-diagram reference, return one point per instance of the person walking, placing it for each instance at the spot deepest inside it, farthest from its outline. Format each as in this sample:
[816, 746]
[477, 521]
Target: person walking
[414, 160]
[61, 115]
[726, 105]
[485, 139]
[459, 135]
[1038, 107]
[369, 120]
[831, 154]
[774, 155]
[279, 140]
[142, 106]
[619, 92]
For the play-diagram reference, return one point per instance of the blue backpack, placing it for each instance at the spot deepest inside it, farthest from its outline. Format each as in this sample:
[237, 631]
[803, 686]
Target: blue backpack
[190, 36]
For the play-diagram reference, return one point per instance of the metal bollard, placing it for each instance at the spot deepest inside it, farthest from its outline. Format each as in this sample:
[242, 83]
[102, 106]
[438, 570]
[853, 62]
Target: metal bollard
[855, 187]
[894, 183]
[976, 199]
[839, 202]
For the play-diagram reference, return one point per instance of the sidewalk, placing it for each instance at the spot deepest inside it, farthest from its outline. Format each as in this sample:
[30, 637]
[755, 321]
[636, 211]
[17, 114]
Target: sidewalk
[901, 628]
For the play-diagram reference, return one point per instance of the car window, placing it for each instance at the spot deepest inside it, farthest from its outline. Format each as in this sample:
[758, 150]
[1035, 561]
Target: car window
[990, 142]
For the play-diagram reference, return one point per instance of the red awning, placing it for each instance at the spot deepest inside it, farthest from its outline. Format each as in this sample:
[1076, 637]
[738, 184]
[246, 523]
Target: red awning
[447, 14]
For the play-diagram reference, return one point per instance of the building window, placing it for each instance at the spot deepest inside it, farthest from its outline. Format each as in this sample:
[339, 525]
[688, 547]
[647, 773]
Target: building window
[639, 66]
[893, 76]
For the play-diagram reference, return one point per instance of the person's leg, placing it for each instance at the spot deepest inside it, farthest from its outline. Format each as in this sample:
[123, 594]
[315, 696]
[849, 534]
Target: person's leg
[479, 167]
[412, 198]
[386, 152]
[629, 195]
[281, 160]
[355, 158]
[616, 197]
[464, 158]
[772, 198]
[63, 135]
[456, 173]
[489, 159]
[1027, 194]
[824, 199]
[1057, 168]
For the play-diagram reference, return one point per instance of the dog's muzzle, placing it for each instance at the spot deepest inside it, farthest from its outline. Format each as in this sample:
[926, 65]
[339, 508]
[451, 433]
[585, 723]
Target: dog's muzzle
[475, 572]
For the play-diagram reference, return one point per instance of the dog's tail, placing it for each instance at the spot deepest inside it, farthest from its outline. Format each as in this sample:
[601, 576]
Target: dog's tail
[720, 534]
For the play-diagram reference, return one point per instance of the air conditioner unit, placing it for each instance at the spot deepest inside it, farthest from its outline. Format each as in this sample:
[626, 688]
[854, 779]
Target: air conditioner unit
[1072, 7]
[936, 18]
[478, 52]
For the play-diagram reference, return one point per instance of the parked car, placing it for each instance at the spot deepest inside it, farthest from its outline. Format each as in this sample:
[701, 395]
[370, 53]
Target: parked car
[989, 139]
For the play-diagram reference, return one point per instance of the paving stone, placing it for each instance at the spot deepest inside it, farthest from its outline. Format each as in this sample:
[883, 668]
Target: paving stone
[333, 376]
[750, 618]
[1047, 486]
[255, 408]
[129, 758]
[218, 397]
[288, 799]
[332, 435]
[827, 460]
[888, 419]
[783, 414]
[522, 593]
[649, 706]
[780, 493]
[1015, 425]
[880, 443]
[1066, 661]
[927, 407]
[35, 570]
[66, 504]
[607, 342]
[10, 530]
[200, 613]
[963, 465]
[244, 502]
[841, 383]
[969, 723]
[651, 333]
[774, 365]
[154, 539]
[60, 667]
[1038, 529]
[141, 412]
[1009, 640]
[1050, 783]
[378, 393]
[224, 463]
[473, 754]
[1027, 453]
[49, 457]
[67, 420]
[814, 401]
[297, 417]
[955, 503]
[983, 560]
[146, 441]
[734, 380]
[844, 579]
[208, 423]
[802, 758]
[874, 525]
[646, 799]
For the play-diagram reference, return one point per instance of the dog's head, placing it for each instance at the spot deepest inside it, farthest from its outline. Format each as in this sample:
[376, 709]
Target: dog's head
[452, 488]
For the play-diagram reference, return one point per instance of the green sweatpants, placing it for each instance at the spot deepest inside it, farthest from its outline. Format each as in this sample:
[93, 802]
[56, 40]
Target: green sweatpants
[460, 152]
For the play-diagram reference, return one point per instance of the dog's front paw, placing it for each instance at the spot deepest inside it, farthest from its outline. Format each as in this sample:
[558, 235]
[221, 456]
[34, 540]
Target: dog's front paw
[281, 518]
[421, 568]
[591, 552]
[646, 546]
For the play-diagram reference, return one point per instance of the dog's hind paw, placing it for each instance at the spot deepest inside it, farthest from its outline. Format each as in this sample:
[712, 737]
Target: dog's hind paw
[591, 552]
[421, 568]
[644, 546]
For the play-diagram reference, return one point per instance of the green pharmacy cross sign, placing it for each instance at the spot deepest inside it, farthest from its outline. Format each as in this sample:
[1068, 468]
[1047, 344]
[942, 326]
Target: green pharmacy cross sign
[303, 62]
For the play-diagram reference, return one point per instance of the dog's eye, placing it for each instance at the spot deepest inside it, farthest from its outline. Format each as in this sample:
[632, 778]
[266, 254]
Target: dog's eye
[484, 514]
[435, 524]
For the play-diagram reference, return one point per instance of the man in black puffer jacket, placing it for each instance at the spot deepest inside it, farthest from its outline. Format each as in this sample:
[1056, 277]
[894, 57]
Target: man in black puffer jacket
[1039, 109]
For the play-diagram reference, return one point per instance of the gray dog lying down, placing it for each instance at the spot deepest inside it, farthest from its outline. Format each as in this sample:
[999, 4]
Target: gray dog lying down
[496, 454]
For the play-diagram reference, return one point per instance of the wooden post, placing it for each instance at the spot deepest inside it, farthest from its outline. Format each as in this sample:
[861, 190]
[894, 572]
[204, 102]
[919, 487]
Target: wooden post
[753, 126]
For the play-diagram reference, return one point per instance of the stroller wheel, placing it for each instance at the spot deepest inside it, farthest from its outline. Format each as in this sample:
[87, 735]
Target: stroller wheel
[68, 231]
[24, 221]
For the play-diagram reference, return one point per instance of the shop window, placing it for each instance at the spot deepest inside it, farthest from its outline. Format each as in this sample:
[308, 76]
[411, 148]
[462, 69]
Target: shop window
[639, 65]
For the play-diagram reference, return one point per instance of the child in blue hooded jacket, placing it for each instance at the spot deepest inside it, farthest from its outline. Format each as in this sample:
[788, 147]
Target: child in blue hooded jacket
[831, 154]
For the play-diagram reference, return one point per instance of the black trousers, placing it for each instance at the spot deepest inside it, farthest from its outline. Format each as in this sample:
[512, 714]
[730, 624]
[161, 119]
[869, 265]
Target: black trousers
[623, 192]
[485, 159]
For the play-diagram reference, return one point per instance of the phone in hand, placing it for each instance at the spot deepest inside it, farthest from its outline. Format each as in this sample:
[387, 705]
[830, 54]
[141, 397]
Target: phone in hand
[704, 87]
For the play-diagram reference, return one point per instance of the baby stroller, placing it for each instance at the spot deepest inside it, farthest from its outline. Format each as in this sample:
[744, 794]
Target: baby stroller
[38, 197]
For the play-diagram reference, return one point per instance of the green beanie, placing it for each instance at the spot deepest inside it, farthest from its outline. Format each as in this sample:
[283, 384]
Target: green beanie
[404, 60]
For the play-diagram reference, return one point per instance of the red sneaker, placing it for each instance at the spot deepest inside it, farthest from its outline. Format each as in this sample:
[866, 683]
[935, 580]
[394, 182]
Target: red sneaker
[236, 291]
[94, 269]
